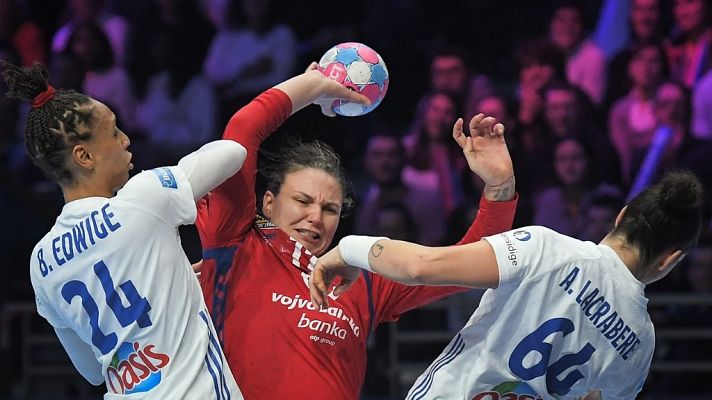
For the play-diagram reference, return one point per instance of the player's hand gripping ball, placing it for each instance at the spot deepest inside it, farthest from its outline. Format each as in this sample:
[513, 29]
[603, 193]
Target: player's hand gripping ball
[357, 67]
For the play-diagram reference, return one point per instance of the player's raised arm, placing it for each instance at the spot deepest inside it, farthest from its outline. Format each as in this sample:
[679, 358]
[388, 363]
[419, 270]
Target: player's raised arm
[312, 87]
[212, 164]
[487, 156]
[471, 265]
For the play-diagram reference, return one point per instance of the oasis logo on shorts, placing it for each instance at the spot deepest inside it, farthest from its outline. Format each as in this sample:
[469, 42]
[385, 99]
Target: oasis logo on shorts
[522, 236]
[134, 369]
[509, 391]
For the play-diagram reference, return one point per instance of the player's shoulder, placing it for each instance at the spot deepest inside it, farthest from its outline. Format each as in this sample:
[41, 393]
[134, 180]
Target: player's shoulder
[535, 233]
[161, 177]
[156, 183]
[556, 245]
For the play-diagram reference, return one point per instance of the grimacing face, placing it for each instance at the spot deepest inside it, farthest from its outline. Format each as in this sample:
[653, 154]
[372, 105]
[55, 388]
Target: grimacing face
[307, 207]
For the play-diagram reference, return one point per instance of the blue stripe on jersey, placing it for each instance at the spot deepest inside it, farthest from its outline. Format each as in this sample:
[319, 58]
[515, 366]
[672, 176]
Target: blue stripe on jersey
[223, 261]
[215, 354]
[371, 310]
[419, 391]
[215, 379]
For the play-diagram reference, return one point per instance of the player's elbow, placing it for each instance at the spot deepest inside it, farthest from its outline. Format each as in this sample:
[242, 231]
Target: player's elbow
[93, 377]
[238, 153]
[419, 268]
[97, 382]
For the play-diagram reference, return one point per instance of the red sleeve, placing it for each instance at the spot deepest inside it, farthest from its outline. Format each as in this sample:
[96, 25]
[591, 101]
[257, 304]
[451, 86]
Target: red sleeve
[226, 213]
[391, 299]
[493, 217]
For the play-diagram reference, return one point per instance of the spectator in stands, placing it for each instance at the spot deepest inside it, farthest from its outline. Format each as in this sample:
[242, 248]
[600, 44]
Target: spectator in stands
[646, 25]
[689, 48]
[24, 35]
[104, 79]
[632, 120]
[559, 206]
[434, 159]
[450, 73]
[600, 209]
[569, 112]
[114, 26]
[384, 161]
[585, 61]
[251, 54]
[540, 63]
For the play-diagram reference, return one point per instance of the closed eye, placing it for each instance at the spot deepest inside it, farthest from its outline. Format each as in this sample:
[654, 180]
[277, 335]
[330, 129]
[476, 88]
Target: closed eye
[332, 210]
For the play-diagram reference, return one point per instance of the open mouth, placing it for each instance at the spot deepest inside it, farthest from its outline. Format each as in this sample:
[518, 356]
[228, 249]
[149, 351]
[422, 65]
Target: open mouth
[310, 236]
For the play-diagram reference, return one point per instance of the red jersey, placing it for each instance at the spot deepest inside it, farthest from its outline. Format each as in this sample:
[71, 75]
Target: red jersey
[254, 278]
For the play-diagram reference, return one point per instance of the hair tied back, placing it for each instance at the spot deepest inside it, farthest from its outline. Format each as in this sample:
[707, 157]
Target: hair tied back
[42, 98]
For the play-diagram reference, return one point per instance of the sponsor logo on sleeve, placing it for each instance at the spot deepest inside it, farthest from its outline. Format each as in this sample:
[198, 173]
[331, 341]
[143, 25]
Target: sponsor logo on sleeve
[135, 368]
[521, 235]
[165, 176]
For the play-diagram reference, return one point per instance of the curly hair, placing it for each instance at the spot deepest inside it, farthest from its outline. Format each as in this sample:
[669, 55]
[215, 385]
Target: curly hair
[53, 128]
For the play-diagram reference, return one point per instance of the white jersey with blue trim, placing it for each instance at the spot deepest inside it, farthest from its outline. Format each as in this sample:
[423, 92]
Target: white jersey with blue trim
[113, 271]
[567, 317]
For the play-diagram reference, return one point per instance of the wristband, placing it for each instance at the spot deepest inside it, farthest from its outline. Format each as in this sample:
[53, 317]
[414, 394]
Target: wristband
[354, 250]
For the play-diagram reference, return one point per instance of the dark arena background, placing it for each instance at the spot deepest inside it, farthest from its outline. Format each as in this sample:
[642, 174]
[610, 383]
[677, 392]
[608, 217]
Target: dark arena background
[628, 82]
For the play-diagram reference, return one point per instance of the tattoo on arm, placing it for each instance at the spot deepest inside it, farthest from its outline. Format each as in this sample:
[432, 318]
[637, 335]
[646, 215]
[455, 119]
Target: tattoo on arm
[376, 250]
[500, 193]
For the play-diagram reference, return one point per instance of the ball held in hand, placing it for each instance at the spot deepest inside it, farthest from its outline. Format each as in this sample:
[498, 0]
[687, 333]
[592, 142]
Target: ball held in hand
[357, 67]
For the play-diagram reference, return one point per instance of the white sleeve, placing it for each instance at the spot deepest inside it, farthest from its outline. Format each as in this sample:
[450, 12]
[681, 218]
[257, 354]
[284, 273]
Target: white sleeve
[211, 165]
[81, 354]
[170, 193]
[518, 252]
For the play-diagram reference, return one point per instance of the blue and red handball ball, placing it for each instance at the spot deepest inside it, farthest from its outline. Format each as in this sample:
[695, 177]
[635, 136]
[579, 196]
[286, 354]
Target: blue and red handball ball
[357, 67]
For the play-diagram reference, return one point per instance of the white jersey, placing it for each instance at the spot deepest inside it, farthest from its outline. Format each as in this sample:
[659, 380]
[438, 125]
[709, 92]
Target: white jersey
[568, 317]
[113, 270]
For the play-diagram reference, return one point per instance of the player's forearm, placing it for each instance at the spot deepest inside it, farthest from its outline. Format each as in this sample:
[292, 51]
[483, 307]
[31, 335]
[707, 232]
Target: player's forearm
[81, 355]
[400, 261]
[500, 192]
[472, 265]
[302, 90]
[212, 164]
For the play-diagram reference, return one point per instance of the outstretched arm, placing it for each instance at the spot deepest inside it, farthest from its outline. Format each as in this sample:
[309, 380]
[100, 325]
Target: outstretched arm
[472, 265]
[211, 165]
[312, 87]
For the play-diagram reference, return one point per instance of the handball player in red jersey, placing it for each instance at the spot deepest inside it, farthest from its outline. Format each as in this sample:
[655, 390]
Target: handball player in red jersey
[256, 268]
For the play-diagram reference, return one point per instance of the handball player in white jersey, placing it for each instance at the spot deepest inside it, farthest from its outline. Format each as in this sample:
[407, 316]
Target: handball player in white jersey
[111, 276]
[563, 319]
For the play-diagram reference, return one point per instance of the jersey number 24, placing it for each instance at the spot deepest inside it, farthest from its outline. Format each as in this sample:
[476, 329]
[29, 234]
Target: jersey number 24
[137, 311]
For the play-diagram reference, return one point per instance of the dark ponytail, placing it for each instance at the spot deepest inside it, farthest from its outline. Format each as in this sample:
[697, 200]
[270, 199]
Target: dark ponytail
[56, 122]
[665, 216]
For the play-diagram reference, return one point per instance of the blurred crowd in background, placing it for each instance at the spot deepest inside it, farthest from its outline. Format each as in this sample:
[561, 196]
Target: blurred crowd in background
[598, 97]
